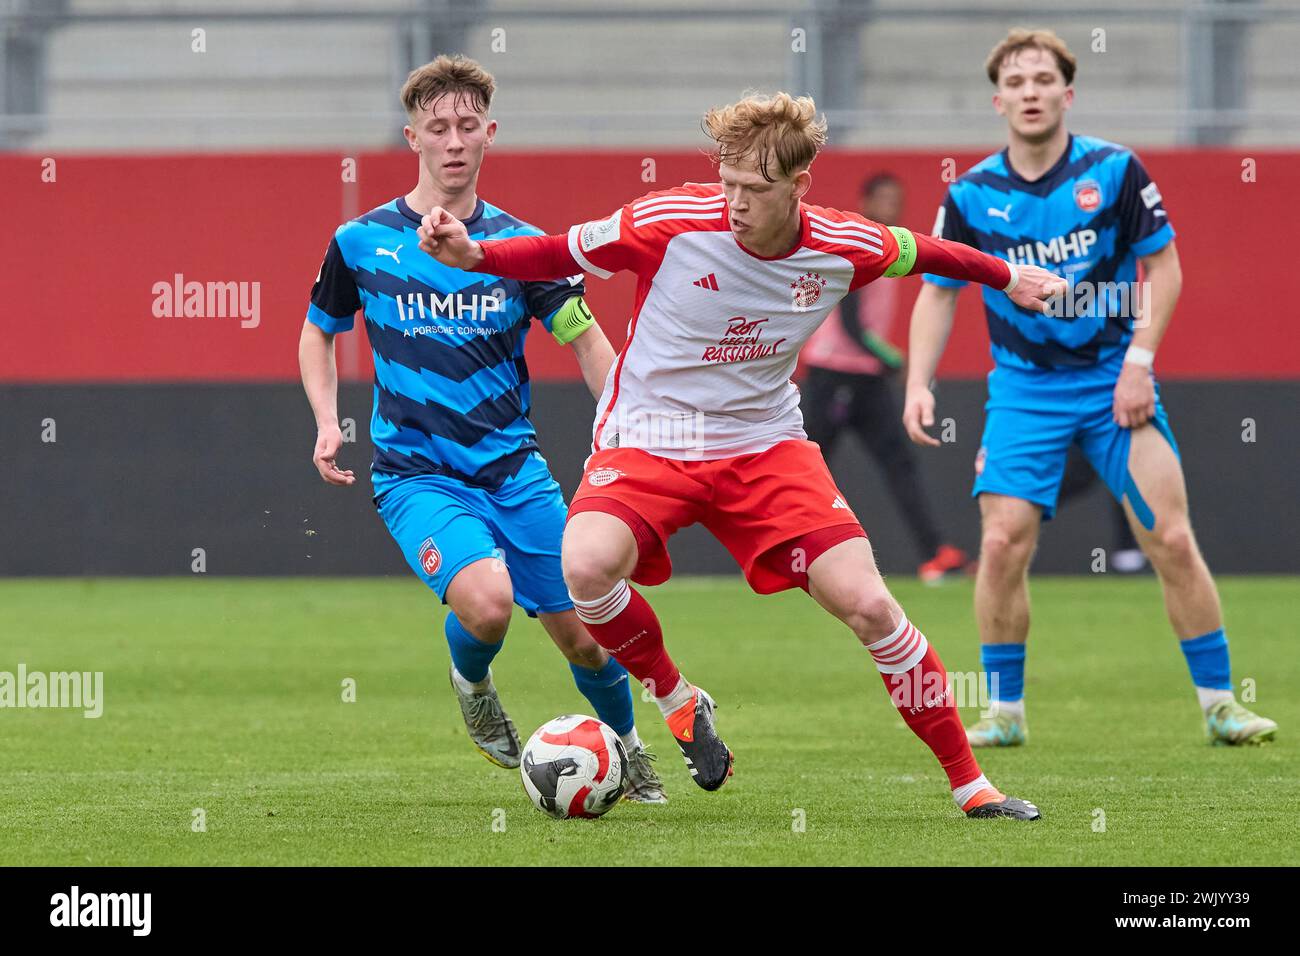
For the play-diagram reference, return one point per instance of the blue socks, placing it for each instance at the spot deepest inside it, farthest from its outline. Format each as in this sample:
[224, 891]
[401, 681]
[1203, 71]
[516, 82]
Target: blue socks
[1207, 659]
[609, 693]
[607, 689]
[1008, 662]
[471, 656]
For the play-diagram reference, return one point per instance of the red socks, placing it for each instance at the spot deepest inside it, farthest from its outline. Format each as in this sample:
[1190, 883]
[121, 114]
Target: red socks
[624, 624]
[918, 685]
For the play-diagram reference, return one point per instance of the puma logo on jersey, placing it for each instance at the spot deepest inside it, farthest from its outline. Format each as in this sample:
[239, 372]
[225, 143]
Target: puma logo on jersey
[387, 252]
[1004, 214]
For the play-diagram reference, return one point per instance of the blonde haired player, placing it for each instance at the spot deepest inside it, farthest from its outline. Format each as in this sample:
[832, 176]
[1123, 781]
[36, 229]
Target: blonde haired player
[699, 421]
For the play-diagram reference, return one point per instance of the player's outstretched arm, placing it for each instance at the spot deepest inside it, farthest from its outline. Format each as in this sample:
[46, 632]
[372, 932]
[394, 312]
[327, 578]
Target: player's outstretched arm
[932, 317]
[445, 237]
[1029, 287]
[528, 258]
[320, 381]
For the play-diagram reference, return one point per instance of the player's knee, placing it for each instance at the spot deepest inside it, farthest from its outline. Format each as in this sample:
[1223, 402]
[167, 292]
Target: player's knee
[485, 614]
[1005, 549]
[1175, 546]
[589, 572]
[873, 615]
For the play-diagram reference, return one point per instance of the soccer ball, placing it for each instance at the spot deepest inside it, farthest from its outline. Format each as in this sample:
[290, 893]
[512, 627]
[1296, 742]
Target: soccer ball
[574, 766]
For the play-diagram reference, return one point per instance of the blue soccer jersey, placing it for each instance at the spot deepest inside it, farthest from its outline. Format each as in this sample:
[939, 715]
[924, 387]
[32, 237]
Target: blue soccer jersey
[451, 387]
[1088, 219]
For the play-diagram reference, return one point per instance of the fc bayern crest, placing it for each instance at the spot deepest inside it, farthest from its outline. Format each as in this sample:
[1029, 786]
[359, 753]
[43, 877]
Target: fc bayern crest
[603, 476]
[430, 556]
[1087, 195]
[807, 289]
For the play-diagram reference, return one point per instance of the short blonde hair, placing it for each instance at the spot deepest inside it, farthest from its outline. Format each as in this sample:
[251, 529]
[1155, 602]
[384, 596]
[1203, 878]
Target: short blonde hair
[778, 127]
[1023, 39]
[459, 75]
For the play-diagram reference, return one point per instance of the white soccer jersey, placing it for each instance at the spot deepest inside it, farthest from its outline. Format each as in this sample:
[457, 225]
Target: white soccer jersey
[716, 330]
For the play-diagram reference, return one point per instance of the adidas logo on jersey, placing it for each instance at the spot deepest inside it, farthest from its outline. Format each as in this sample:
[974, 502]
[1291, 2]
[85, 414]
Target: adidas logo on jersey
[839, 503]
[709, 281]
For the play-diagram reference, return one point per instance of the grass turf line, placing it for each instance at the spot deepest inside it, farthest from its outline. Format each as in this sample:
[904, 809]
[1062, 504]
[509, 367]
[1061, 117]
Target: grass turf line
[226, 695]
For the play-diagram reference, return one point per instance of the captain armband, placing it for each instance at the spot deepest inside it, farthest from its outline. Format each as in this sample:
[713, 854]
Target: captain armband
[906, 252]
[571, 320]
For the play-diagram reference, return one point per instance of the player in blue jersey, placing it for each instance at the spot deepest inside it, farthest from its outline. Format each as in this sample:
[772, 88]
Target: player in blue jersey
[1086, 209]
[457, 474]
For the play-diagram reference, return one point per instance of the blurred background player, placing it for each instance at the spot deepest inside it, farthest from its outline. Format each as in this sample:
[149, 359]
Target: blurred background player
[699, 421]
[457, 473]
[849, 386]
[1085, 208]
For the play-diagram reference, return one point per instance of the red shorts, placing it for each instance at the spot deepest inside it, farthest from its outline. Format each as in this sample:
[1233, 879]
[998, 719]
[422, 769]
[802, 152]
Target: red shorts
[776, 511]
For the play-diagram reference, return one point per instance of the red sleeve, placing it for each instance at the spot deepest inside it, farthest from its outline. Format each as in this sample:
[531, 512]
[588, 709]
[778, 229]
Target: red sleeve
[868, 245]
[953, 260]
[528, 258]
[635, 237]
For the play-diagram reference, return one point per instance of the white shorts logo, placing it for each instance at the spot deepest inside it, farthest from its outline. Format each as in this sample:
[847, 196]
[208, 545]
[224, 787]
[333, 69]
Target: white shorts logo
[603, 476]
[593, 235]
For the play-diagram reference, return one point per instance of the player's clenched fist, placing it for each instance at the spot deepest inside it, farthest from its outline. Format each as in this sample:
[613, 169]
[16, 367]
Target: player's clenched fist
[328, 442]
[445, 237]
[1034, 286]
[918, 415]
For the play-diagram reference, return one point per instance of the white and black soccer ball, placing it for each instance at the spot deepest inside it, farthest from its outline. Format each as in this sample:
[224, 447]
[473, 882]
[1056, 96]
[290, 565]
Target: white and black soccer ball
[574, 766]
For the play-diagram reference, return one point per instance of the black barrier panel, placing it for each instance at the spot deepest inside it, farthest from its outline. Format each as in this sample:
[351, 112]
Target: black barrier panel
[136, 477]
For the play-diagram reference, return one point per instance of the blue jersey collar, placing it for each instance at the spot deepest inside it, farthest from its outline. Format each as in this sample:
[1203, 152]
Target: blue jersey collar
[415, 217]
[1048, 176]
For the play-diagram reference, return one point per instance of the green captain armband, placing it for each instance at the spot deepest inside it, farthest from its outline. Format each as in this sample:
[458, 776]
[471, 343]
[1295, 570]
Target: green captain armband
[906, 253]
[571, 320]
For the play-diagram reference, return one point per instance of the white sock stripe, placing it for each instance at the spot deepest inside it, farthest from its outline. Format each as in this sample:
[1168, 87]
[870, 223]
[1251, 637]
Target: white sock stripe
[909, 654]
[901, 652]
[601, 605]
[891, 648]
[604, 609]
[903, 666]
[900, 665]
[902, 626]
[596, 604]
[600, 617]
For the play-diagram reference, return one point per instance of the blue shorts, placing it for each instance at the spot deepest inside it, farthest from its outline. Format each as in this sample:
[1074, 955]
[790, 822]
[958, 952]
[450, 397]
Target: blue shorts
[441, 525]
[1033, 416]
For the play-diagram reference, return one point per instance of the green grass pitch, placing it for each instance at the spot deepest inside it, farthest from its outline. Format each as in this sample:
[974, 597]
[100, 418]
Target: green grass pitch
[225, 695]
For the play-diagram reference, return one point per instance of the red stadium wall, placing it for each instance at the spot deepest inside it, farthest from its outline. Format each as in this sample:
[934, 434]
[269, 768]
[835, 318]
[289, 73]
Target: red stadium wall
[83, 253]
